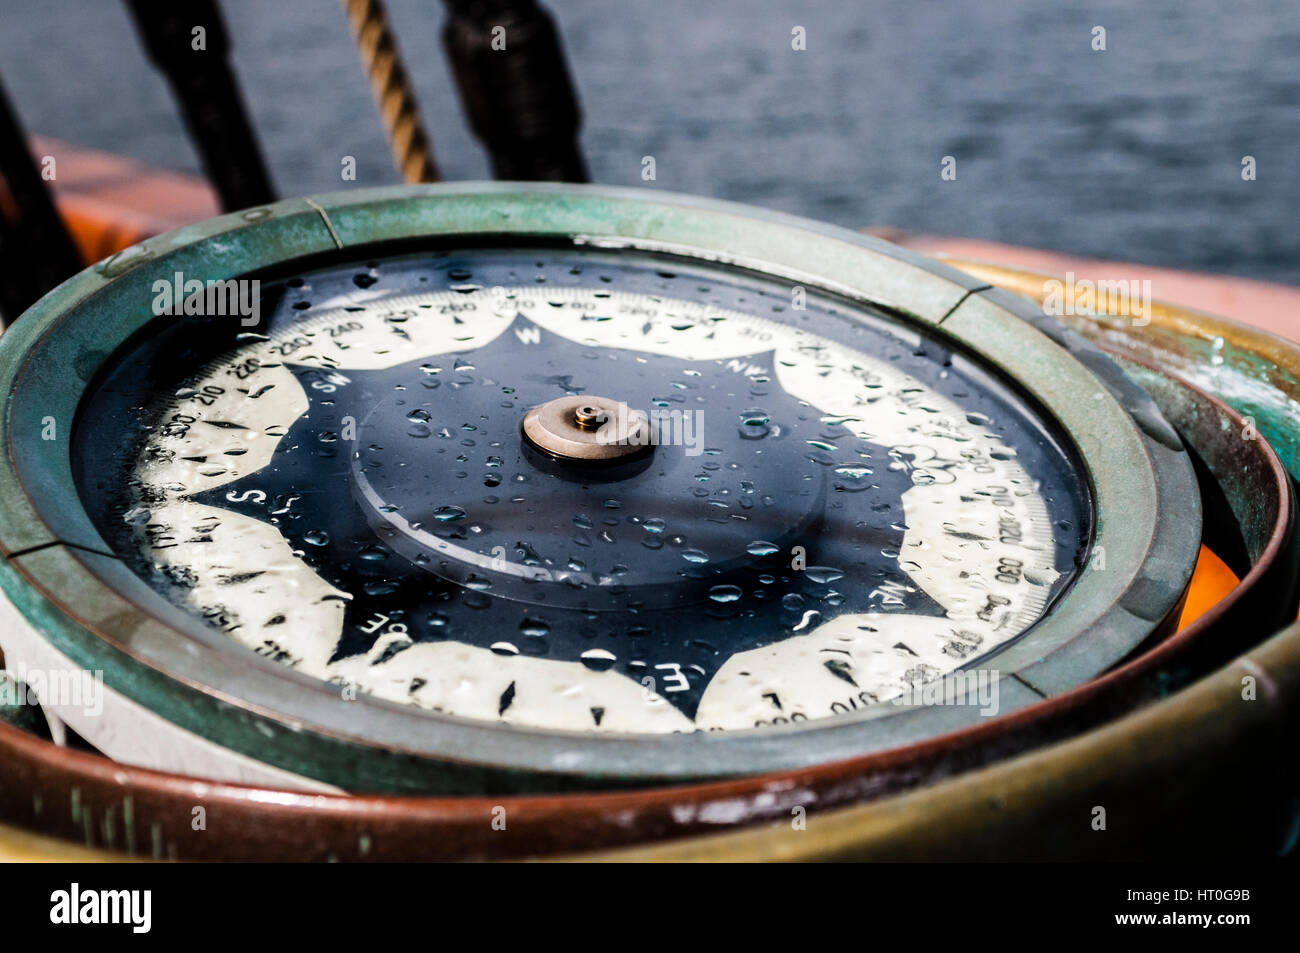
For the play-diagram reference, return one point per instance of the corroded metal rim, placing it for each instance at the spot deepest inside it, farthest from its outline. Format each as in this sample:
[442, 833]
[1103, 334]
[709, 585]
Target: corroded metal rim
[1146, 513]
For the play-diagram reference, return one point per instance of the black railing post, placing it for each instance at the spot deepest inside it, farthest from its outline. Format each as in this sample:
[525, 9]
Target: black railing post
[188, 43]
[515, 87]
[36, 251]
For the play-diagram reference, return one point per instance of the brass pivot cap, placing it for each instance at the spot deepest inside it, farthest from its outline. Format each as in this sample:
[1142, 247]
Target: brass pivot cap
[587, 429]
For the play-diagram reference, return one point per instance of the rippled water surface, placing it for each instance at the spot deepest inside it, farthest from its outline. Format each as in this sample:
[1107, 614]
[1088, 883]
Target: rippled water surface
[1132, 153]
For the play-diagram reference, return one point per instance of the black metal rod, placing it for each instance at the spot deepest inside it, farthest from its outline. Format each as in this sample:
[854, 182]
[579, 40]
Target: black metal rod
[189, 45]
[36, 251]
[515, 88]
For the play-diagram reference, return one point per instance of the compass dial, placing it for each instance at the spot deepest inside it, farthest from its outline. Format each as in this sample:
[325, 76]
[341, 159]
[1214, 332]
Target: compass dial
[575, 490]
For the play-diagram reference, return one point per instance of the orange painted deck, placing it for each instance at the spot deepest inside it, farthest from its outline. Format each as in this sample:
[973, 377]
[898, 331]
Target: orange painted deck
[1273, 307]
[110, 202]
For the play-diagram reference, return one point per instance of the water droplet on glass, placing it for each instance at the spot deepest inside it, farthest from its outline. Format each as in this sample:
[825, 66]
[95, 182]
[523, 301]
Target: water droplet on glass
[534, 628]
[754, 424]
[823, 574]
[598, 660]
[725, 593]
[852, 479]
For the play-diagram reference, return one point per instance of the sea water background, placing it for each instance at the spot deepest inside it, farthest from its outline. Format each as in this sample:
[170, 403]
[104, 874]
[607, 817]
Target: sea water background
[1133, 153]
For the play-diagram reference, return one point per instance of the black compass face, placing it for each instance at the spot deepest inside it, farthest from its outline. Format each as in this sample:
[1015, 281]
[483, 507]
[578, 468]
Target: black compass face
[813, 507]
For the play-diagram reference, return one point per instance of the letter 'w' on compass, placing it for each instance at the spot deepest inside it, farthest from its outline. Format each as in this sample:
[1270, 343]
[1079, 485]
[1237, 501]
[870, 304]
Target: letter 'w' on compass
[545, 487]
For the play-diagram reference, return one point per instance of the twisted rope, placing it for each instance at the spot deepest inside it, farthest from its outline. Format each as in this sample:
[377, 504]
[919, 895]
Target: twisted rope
[412, 151]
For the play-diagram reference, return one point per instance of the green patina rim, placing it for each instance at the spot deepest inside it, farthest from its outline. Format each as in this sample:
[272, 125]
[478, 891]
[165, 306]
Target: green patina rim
[1146, 513]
